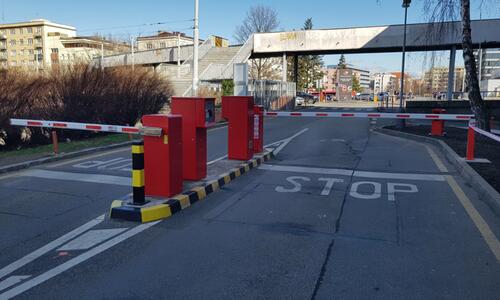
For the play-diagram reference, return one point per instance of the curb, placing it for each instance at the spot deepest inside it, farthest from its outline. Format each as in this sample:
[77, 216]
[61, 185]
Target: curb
[485, 191]
[40, 161]
[120, 209]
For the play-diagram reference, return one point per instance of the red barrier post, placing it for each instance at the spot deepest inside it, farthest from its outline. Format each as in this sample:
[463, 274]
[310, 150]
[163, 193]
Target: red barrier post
[163, 156]
[437, 128]
[258, 129]
[238, 111]
[470, 143]
[198, 114]
[55, 142]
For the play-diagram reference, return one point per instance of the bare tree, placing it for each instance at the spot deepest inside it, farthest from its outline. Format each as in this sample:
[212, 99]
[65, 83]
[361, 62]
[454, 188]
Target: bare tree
[449, 10]
[258, 19]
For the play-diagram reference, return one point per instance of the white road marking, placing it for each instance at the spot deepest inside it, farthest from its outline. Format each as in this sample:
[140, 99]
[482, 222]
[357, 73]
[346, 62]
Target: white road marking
[329, 185]
[297, 186]
[91, 238]
[12, 280]
[80, 177]
[407, 176]
[377, 190]
[75, 261]
[288, 140]
[346, 172]
[49, 247]
[72, 161]
[307, 170]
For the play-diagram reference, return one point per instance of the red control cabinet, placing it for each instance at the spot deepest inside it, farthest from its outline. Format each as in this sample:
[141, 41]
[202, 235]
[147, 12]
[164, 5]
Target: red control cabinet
[239, 112]
[258, 129]
[163, 156]
[198, 114]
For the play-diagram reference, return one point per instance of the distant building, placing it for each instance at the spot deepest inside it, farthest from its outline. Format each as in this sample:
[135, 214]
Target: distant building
[330, 77]
[384, 82]
[30, 44]
[84, 49]
[436, 80]
[162, 40]
[41, 44]
[488, 62]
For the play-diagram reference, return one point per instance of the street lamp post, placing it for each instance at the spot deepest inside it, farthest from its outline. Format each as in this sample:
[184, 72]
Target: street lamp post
[406, 4]
[195, 50]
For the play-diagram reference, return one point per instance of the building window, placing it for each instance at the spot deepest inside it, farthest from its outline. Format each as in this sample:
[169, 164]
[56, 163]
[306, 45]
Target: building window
[162, 45]
[31, 52]
[21, 52]
[30, 41]
[21, 30]
[39, 30]
[38, 41]
[13, 53]
[30, 29]
[21, 42]
[13, 31]
[55, 50]
[12, 42]
[150, 46]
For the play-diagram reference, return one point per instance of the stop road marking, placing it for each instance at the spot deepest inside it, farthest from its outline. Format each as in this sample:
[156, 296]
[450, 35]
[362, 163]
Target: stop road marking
[372, 191]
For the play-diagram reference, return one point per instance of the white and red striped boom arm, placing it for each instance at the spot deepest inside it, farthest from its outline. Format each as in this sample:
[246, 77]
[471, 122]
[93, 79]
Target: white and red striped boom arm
[86, 126]
[370, 115]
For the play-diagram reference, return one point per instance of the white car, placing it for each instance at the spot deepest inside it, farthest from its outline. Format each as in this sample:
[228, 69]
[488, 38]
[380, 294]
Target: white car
[299, 101]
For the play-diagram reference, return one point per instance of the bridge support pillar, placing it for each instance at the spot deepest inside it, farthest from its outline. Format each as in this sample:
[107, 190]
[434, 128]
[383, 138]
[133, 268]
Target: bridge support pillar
[451, 74]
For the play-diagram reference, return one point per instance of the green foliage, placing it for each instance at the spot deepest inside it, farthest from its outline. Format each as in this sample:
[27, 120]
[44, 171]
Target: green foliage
[227, 87]
[309, 65]
[356, 86]
[342, 63]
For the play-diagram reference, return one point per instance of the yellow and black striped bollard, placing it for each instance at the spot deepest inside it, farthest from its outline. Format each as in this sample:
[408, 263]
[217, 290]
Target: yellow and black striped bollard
[139, 197]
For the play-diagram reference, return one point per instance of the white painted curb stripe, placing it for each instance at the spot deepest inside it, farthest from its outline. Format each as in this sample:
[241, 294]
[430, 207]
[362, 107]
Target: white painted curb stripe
[49, 247]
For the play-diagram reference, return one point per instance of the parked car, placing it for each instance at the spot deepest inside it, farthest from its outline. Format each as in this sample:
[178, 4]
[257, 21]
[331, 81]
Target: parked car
[364, 97]
[299, 101]
[383, 96]
[308, 98]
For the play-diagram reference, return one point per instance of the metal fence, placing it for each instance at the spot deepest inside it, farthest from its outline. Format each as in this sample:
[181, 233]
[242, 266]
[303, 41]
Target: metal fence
[273, 95]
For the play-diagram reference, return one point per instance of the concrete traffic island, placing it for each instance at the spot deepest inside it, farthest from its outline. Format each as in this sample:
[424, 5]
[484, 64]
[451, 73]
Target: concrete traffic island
[218, 174]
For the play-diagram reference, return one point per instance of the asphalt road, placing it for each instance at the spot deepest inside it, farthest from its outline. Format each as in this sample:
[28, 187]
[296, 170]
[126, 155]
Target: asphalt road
[342, 212]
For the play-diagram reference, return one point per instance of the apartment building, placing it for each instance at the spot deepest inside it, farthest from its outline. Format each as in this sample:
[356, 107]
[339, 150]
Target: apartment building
[163, 39]
[83, 49]
[383, 82]
[330, 74]
[31, 44]
[488, 62]
[436, 80]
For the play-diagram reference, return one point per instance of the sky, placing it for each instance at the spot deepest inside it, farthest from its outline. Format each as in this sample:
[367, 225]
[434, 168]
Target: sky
[123, 19]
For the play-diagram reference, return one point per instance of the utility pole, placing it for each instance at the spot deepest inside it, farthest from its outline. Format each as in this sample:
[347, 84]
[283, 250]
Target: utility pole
[195, 50]
[102, 56]
[132, 44]
[178, 55]
[401, 123]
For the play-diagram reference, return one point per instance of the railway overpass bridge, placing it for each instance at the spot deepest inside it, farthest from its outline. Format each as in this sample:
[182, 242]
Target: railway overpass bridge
[218, 64]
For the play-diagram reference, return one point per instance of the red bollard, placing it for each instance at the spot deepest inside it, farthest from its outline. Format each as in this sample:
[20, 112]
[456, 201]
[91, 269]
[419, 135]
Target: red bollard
[55, 142]
[258, 129]
[437, 128]
[470, 143]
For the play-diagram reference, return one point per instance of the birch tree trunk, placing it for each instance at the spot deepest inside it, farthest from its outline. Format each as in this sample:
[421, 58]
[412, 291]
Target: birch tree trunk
[477, 104]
